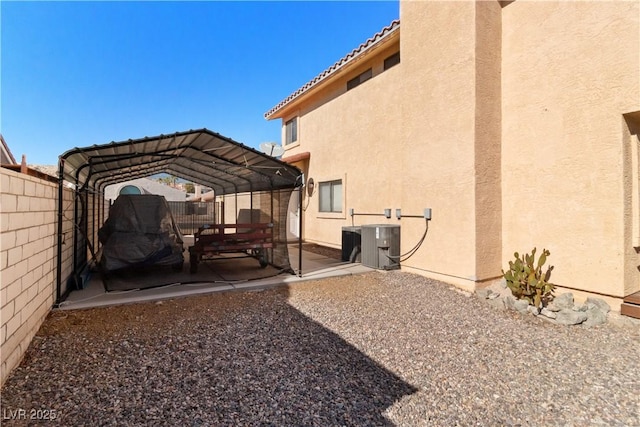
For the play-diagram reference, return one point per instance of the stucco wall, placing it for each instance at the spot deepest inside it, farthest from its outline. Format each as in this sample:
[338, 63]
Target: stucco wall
[516, 122]
[488, 140]
[425, 133]
[355, 137]
[631, 173]
[28, 223]
[442, 136]
[570, 70]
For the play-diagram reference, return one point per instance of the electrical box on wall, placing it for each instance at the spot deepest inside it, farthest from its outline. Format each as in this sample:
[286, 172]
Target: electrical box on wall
[381, 246]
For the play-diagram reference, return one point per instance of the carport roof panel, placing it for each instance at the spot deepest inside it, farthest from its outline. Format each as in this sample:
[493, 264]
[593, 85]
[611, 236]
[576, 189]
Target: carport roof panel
[202, 156]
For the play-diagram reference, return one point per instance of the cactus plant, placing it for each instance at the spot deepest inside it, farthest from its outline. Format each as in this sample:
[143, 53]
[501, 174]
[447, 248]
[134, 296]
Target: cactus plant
[526, 281]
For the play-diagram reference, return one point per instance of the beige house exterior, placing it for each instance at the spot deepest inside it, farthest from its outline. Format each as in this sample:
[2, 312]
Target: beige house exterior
[517, 123]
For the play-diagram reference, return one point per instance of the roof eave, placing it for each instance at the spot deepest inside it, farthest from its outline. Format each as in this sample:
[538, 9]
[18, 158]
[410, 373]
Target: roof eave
[387, 35]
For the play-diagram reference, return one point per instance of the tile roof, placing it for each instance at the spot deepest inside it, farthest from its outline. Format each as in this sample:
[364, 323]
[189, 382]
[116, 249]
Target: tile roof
[364, 47]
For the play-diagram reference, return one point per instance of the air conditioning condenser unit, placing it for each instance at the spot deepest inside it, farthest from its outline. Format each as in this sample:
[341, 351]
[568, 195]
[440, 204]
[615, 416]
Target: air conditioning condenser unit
[351, 243]
[381, 246]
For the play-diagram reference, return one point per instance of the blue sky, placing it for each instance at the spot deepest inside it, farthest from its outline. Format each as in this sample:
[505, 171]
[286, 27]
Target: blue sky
[74, 74]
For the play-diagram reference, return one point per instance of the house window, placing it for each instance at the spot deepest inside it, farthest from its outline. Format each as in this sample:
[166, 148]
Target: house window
[359, 79]
[331, 196]
[392, 60]
[291, 131]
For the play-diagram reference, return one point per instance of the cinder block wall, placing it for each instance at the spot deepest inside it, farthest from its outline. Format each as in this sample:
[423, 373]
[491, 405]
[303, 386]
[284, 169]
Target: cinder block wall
[28, 229]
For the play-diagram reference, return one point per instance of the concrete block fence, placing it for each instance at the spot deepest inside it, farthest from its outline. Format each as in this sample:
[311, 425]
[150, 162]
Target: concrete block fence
[28, 265]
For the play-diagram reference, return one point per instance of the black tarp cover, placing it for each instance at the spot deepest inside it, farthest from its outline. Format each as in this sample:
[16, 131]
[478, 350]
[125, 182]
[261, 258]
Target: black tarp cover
[140, 231]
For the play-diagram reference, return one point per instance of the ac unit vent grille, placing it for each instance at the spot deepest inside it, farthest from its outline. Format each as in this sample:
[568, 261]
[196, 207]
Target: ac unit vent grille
[380, 244]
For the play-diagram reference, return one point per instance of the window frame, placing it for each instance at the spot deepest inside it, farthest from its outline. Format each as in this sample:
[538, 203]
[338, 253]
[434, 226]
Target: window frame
[359, 79]
[291, 133]
[332, 198]
[391, 61]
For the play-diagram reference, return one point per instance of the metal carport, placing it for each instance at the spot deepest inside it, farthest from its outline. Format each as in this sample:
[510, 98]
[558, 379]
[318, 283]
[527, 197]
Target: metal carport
[200, 156]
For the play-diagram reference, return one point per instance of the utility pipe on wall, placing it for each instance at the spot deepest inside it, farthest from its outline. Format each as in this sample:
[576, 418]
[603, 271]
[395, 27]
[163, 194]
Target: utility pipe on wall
[353, 213]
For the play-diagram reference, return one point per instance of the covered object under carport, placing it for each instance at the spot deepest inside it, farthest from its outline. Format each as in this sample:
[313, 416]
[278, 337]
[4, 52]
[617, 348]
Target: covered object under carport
[200, 156]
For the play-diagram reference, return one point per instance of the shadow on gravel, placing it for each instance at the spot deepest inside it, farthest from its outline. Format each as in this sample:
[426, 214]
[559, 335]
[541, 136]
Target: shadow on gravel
[224, 359]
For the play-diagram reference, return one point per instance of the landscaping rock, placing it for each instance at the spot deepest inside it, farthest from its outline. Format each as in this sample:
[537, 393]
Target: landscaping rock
[533, 310]
[497, 303]
[483, 293]
[561, 302]
[509, 301]
[583, 307]
[500, 288]
[521, 306]
[595, 316]
[600, 303]
[493, 295]
[561, 310]
[548, 313]
[567, 316]
[488, 293]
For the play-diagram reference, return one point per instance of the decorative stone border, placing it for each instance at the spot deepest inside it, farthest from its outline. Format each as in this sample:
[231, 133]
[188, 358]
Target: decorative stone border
[561, 311]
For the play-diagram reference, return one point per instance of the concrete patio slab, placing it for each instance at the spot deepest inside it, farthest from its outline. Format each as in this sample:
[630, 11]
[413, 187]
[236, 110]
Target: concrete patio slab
[236, 274]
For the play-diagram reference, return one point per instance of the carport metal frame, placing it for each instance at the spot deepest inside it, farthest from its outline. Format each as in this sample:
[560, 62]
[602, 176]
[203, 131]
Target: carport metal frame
[201, 156]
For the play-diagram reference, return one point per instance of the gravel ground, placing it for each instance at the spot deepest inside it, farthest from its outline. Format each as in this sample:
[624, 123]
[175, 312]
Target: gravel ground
[376, 349]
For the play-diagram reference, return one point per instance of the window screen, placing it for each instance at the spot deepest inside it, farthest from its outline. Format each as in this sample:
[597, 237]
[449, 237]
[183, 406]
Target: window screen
[361, 78]
[291, 131]
[392, 60]
[331, 196]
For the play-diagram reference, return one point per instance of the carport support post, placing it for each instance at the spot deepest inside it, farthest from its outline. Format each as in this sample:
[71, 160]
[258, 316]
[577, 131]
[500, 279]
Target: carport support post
[90, 200]
[300, 231]
[93, 217]
[60, 235]
[100, 216]
[279, 225]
